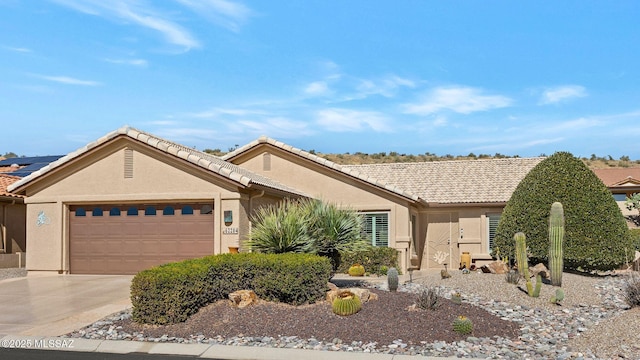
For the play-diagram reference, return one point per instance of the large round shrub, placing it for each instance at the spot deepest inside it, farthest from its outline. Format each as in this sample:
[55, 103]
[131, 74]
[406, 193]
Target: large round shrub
[596, 233]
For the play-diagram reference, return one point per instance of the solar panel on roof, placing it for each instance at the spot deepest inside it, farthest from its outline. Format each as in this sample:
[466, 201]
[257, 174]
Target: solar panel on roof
[23, 161]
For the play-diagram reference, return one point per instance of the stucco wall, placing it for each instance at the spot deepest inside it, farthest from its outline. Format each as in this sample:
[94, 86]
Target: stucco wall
[44, 234]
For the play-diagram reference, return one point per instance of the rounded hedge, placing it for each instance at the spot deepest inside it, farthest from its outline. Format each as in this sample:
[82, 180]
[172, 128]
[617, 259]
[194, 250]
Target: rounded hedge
[596, 233]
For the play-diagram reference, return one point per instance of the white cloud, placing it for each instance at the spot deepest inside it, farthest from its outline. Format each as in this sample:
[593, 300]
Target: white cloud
[68, 80]
[132, 62]
[346, 120]
[18, 49]
[460, 99]
[562, 93]
[220, 112]
[272, 126]
[228, 14]
[386, 87]
[317, 88]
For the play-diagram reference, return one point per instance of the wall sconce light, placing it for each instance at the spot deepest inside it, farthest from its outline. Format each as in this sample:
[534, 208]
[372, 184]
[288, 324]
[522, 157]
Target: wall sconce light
[228, 217]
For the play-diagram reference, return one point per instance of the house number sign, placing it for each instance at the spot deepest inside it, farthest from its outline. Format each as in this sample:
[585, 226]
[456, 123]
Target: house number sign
[231, 230]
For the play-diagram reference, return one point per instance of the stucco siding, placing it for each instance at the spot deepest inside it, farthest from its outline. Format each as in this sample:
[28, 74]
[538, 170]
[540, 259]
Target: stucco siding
[317, 181]
[44, 231]
[104, 179]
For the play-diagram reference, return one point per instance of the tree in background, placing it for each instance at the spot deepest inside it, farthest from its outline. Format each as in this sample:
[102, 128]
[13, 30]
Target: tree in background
[596, 237]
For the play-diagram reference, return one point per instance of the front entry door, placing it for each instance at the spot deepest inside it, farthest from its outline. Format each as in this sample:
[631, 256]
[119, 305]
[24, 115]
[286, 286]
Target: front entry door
[442, 241]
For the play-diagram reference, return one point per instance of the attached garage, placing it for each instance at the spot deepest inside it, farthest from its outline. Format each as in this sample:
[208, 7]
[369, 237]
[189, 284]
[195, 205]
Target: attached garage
[125, 239]
[130, 201]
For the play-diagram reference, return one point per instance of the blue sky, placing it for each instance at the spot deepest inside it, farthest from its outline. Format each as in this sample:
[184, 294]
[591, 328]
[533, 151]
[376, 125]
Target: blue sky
[446, 77]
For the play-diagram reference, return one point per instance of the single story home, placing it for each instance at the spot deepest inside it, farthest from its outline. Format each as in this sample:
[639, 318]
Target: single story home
[131, 200]
[623, 183]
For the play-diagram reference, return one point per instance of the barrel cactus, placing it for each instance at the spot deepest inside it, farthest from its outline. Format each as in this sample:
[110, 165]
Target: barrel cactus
[347, 303]
[356, 270]
[463, 325]
[556, 237]
[392, 279]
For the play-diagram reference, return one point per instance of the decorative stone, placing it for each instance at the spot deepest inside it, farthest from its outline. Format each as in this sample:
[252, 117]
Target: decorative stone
[539, 269]
[498, 267]
[364, 294]
[243, 298]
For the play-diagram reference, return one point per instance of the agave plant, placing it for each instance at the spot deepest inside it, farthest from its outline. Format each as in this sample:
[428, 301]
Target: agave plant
[279, 229]
[333, 229]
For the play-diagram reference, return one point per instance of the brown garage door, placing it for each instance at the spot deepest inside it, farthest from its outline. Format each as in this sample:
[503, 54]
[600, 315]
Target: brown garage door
[124, 239]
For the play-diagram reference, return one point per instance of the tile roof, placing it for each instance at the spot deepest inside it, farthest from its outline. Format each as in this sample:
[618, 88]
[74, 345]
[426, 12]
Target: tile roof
[5, 181]
[322, 161]
[456, 181]
[201, 159]
[438, 182]
[617, 176]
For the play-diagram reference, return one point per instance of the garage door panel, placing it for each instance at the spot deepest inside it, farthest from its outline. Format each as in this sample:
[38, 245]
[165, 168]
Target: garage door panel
[126, 244]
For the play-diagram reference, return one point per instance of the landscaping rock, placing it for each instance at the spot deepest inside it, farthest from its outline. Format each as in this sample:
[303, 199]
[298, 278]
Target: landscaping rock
[539, 269]
[243, 298]
[364, 294]
[498, 267]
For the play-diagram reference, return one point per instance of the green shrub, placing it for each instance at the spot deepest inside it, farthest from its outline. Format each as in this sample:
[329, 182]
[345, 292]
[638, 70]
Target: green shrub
[170, 293]
[376, 260]
[309, 226]
[635, 235]
[596, 234]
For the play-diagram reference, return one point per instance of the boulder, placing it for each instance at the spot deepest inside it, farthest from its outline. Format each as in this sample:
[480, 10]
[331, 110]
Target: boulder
[243, 298]
[498, 267]
[539, 269]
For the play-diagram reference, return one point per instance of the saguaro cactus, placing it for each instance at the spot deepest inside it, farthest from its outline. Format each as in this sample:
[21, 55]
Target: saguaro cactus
[556, 237]
[522, 260]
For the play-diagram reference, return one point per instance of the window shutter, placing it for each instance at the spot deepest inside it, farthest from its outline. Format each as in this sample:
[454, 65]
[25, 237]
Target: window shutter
[493, 220]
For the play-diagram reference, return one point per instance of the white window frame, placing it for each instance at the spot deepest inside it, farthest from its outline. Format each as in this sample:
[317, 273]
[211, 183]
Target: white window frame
[372, 234]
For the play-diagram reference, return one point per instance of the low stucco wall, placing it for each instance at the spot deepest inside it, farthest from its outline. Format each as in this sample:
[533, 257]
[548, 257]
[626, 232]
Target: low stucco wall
[16, 260]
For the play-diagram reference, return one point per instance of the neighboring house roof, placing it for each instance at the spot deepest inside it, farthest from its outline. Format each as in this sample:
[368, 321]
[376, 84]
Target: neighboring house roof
[456, 181]
[322, 161]
[438, 182]
[24, 166]
[618, 176]
[5, 181]
[201, 159]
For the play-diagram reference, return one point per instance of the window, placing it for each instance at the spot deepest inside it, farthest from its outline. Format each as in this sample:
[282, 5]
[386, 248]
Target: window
[150, 210]
[376, 228]
[492, 225]
[114, 211]
[206, 209]
[97, 212]
[168, 210]
[187, 210]
[620, 197]
[132, 211]
[81, 212]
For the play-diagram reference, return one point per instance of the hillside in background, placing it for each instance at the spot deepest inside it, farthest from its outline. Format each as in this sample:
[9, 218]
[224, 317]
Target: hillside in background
[593, 162]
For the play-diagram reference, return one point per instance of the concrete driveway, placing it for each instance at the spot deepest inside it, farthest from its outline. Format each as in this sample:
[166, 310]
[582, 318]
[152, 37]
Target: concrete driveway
[53, 305]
